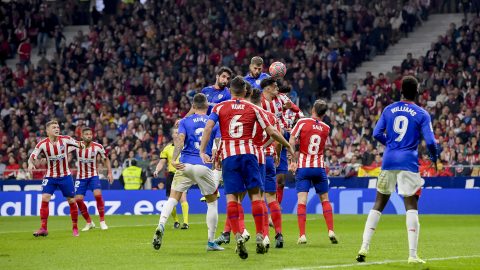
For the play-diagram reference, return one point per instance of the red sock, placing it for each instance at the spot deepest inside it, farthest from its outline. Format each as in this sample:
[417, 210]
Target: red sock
[227, 225]
[276, 214]
[280, 193]
[302, 218]
[100, 207]
[266, 229]
[328, 214]
[241, 218]
[83, 210]
[74, 214]
[258, 215]
[44, 214]
[232, 214]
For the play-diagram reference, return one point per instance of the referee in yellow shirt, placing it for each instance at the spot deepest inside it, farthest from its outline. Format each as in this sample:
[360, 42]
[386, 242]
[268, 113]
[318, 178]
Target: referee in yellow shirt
[166, 157]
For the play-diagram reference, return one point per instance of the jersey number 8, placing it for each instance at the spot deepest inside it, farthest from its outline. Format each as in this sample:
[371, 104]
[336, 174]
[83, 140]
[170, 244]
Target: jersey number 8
[314, 145]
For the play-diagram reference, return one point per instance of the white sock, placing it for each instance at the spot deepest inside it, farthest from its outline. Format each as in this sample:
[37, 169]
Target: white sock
[413, 230]
[166, 211]
[212, 219]
[370, 227]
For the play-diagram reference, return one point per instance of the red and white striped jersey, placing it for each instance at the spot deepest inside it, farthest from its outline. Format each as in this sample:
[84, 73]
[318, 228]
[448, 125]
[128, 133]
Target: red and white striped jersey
[275, 106]
[87, 160]
[311, 135]
[291, 117]
[237, 119]
[56, 154]
[262, 139]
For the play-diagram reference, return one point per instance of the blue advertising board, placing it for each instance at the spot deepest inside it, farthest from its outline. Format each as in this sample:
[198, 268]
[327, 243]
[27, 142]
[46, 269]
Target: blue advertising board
[344, 201]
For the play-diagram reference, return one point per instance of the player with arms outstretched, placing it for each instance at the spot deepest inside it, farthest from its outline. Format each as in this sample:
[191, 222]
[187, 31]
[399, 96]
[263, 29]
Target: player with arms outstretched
[87, 177]
[191, 170]
[237, 119]
[400, 128]
[58, 175]
[278, 103]
[311, 134]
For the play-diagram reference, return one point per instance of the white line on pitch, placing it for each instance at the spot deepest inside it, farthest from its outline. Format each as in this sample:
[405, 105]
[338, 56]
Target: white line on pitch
[377, 263]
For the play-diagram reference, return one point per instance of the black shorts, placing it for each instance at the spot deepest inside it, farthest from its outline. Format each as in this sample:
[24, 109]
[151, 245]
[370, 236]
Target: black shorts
[169, 183]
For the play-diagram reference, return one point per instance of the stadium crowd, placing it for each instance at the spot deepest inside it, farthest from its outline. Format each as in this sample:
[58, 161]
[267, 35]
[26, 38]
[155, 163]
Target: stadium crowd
[131, 77]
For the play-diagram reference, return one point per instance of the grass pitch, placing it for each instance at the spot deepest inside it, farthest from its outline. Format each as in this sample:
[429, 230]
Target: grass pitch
[450, 242]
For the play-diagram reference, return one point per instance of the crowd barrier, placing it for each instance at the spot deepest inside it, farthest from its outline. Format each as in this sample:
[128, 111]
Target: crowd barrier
[344, 201]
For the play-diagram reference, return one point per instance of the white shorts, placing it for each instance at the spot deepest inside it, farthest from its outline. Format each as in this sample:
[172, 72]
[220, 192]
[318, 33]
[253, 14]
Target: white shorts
[218, 176]
[408, 182]
[195, 175]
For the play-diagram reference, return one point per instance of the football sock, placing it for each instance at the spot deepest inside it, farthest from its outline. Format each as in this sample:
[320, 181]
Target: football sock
[241, 218]
[84, 210]
[258, 215]
[44, 214]
[266, 228]
[74, 214]
[301, 218]
[100, 207]
[280, 193]
[276, 214]
[370, 227]
[232, 214]
[185, 212]
[167, 210]
[174, 214]
[328, 214]
[227, 227]
[212, 219]
[413, 230]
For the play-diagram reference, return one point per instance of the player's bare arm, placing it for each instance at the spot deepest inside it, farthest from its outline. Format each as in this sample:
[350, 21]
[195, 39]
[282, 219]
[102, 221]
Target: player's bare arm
[272, 132]
[160, 166]
[207, 132]
[108, 164]
[179, 144]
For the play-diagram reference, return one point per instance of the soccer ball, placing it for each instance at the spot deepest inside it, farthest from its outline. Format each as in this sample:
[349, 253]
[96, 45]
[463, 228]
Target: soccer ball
[277, 70]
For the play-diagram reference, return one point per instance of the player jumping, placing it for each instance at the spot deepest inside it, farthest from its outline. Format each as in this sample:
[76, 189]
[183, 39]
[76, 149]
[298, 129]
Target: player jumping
[54, 147]
[87, 178]
[237, 119]
[400, 128]
[191, 170]
[255, 75]
[311, 134]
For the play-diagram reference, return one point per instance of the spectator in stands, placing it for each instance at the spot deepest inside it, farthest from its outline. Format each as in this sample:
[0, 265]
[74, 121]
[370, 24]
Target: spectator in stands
[23, 172]
[11, 169]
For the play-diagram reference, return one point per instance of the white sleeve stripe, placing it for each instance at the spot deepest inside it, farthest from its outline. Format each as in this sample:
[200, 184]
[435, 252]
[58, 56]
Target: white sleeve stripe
[296, 130]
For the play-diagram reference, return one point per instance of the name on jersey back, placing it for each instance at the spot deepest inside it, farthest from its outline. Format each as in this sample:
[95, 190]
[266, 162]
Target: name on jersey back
[404, 109]
[238, 106]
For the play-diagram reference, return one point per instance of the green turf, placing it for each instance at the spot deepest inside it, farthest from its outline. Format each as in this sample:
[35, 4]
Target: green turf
[127, 245]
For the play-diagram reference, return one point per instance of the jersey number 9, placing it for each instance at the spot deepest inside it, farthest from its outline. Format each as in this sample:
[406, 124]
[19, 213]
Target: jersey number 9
[400, 125]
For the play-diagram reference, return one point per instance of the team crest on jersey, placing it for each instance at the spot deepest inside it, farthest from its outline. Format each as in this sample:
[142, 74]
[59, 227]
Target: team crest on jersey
[220, 96]
[62, 147]
[258, 82]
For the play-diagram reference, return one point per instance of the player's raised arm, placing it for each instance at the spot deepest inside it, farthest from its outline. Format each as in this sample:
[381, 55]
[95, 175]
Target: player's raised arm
[34, 156]
[207, 132]
[379, 131]
[72, 142]
[427, 133]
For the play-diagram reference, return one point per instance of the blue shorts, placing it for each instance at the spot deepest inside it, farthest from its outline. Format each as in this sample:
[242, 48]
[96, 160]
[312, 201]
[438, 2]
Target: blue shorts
[241, 173]
[283, 166]
[65, 184]
[270, 176]
[262, 168]
[82, 185]
[308, 177]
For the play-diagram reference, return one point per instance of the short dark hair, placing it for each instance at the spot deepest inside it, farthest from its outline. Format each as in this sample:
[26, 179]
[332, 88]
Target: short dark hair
[409, 87]
[224, 69]
[267, 82]
[237, 85]
[85, 129]
[133, 162]
[248, 88]
[284, 89]
[320, 106]
[256, 96]
[200, 101]
[256, 60]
